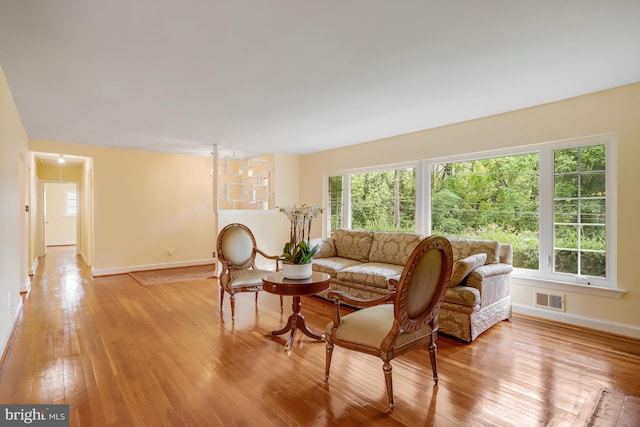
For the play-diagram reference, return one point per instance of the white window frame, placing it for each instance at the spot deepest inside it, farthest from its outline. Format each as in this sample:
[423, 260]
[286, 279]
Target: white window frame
[544, 276]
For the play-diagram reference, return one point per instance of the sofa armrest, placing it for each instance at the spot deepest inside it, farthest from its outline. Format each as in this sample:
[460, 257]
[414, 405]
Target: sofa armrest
[492, 280]
[489, 270]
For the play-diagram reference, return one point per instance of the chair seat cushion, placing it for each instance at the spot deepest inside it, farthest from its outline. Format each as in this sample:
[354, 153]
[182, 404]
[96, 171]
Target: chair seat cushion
[244, 278]
[370, 326]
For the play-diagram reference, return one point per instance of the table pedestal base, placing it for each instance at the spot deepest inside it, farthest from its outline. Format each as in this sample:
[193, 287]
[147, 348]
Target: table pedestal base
[296, 321]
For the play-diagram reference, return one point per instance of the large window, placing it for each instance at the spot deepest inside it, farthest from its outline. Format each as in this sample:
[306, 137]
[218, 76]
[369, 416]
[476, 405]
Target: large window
[553, 202]
[580, 206]
[382, 200]
[495, 198]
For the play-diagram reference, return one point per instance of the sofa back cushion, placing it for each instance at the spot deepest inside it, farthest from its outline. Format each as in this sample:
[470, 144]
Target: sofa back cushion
[462, 248]
[353, 244]
[326, 247]
[393, 247]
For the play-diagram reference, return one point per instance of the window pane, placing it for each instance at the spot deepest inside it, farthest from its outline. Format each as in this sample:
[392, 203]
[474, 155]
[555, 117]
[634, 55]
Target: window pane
[565, 160]
[566, 211]
[384, 200]
[593, 158]
[592, 185]
[593, 264]
[566, 185]
[593, 237]
[494, 199]
[592, 212]
[566, 236]
[566, 261]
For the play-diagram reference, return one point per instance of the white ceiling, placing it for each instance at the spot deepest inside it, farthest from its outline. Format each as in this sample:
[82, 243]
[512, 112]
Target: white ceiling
[299, 76]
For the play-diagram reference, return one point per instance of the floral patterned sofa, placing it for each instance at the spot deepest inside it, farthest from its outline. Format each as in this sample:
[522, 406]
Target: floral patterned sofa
[362, 262]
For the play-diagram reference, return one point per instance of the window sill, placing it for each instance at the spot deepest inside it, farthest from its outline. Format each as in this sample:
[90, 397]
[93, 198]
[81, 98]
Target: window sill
[567, 287]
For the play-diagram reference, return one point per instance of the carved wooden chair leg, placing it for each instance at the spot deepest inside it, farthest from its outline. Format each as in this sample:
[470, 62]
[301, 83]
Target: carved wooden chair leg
[387, 368]
[433, 352]
[328, 361]
[221, 299]
[232, 298]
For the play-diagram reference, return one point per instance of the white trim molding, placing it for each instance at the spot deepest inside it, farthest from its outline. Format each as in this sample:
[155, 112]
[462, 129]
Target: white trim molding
[623, 329]
[567, 287]
[5, 341]
[96, 272]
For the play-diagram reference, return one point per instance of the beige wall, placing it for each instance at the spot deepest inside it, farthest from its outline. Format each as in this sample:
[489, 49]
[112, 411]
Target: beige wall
[616, 110]
[14, 173]
[144, 205]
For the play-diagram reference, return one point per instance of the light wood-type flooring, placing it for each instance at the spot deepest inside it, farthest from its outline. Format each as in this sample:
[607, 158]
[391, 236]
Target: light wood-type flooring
[125, 355]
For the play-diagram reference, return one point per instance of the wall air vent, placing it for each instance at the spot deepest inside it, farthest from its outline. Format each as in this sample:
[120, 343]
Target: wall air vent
[549, 301]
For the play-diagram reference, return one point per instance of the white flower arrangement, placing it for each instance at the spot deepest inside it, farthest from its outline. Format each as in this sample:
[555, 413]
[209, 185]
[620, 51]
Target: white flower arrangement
[297, 250]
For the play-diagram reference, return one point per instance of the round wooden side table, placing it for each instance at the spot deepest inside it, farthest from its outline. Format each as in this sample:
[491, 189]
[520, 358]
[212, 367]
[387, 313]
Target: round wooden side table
[275, 283]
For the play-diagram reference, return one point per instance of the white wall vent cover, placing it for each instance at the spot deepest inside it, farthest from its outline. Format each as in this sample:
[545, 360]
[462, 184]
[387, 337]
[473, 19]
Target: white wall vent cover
[549, 301]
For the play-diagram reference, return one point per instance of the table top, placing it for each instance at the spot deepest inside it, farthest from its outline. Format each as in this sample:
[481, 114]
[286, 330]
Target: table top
[276, 283]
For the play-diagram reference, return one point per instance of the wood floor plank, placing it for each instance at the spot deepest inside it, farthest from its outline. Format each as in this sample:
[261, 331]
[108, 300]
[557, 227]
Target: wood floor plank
[122, 354]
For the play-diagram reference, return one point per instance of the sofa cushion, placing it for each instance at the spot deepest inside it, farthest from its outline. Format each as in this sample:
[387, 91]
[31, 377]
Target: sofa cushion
[462, 248]
[332, 265]
[326, 247]
[393, 247]
[374, 274]
[353, 244]
[463, 295]
[463, 267]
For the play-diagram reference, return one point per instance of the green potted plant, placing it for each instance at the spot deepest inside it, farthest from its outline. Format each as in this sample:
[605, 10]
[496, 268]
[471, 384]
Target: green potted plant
[297, 252]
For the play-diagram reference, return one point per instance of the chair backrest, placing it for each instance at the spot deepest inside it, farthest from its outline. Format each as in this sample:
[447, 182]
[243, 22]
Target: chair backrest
[423, 284]
[236, 246]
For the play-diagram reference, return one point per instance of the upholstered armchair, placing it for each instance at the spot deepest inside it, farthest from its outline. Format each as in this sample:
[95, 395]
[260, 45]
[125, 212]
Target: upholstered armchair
[402, 321]
[237, 252]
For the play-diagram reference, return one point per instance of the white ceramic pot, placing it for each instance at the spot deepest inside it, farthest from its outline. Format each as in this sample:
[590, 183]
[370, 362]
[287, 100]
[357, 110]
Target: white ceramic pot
[297, 271]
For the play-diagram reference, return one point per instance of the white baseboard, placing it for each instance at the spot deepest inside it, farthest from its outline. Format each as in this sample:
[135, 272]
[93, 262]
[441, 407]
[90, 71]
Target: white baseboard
[122, 270]
[62, 243]
[4, 341]
[34, 267]
[576, 320]
[84, 258]
[25, 286]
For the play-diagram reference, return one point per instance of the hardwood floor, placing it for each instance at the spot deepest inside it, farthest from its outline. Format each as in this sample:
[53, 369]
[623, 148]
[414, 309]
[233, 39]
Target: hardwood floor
[121, 354]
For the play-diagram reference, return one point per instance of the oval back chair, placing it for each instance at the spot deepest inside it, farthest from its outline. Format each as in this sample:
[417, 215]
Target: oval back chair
[237, 250]
[411, 321]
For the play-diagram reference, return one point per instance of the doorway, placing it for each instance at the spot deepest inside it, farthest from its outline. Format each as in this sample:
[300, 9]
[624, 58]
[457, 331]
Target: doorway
[60, 213]
[63, 204]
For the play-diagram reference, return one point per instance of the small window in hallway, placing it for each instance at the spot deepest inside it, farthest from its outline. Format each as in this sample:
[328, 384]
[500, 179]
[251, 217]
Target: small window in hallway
[71, 205]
